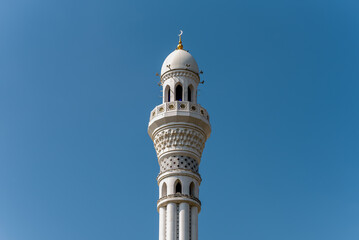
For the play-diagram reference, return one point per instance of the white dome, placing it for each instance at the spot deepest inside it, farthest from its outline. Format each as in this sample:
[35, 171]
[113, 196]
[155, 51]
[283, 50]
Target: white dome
[179, 59]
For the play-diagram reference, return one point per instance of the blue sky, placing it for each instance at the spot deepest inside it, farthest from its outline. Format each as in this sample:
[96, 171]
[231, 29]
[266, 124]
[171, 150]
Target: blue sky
[77, 84]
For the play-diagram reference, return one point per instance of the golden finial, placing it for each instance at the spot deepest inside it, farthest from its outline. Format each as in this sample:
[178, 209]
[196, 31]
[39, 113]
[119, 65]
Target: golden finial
[180, 46]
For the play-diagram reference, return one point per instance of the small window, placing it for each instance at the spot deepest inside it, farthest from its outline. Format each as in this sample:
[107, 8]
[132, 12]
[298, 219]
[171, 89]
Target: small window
[178, 187]
[179, 93]
[189, 94]
[167, 94]
[164, 190]
[191, 189]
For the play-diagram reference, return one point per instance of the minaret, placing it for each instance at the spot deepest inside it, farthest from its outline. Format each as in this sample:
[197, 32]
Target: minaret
[179, 128]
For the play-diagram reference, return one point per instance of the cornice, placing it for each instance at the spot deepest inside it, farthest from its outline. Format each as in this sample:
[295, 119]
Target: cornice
[179, 172]
[179, 198]
[179, 73]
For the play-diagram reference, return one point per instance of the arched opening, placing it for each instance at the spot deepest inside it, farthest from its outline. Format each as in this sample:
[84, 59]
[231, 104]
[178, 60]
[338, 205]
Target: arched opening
[191, 189]
[167, 97]
[179, 93]
[178, 187]
[164, 190]
[189, 91]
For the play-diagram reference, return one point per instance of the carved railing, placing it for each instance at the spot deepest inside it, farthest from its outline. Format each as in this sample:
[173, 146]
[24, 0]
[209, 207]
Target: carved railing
[180, 106]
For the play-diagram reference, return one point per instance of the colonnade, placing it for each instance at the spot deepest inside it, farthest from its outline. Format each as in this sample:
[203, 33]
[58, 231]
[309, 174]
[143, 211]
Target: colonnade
[187, 217]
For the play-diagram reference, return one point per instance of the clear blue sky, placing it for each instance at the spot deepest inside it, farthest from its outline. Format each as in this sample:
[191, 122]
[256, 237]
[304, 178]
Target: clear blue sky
[77, 84]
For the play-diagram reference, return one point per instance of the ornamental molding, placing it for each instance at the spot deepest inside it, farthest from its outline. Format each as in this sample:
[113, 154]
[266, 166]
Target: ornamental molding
[179, 139]
[176, 125]
[180, 73]
[179, 107]
[179, 198]
[179, 172]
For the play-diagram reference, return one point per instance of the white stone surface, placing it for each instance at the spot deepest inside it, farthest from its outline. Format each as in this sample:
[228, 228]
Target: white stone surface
[171, 221]
[183, 221]
[186, 181]
[179, 59]
[162, 223]
[172, 79]
[194, 223]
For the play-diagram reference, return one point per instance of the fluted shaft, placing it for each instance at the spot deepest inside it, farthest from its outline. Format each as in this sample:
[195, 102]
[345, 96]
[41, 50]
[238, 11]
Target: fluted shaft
[171, 221]
[183, 221]
[162, 230]
[194, 223]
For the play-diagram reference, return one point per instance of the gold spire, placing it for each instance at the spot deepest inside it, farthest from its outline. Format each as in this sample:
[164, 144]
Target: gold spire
[180, 46]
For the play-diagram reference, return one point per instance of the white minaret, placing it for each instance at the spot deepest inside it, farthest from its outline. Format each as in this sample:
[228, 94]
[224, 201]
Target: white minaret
[179, 128]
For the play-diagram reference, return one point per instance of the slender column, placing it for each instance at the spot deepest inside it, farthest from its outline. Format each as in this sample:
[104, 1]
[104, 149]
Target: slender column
[194, 223]
[183, 221]
[171, 221]
[162, 231]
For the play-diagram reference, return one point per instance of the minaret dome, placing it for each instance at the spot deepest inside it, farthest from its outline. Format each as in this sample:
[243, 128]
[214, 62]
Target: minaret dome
[179, 59]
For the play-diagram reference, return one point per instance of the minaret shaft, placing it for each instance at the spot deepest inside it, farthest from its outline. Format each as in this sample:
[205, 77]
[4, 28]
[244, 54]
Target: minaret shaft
[179, 128]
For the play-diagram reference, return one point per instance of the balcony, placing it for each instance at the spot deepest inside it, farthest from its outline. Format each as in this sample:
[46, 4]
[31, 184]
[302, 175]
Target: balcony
[180, 107]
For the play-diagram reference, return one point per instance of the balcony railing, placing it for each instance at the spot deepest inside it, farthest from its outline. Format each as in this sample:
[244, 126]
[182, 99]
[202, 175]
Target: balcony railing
[180, 106]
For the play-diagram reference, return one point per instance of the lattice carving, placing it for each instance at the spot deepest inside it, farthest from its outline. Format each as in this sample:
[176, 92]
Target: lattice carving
[179, 162]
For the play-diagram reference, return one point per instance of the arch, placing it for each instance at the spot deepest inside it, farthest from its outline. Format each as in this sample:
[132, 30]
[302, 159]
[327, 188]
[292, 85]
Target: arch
[189, 92]
[191, 189]
[164, 190]
[178, 187]
[167, 97]
[179, 92]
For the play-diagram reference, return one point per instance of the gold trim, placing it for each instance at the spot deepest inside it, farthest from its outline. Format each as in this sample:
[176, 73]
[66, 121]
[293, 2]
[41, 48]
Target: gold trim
[180, 46]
